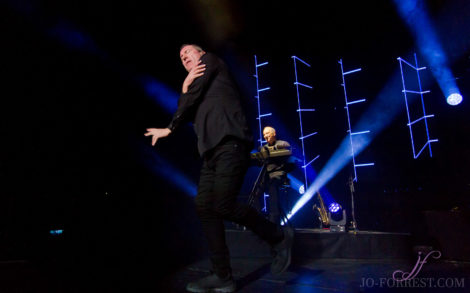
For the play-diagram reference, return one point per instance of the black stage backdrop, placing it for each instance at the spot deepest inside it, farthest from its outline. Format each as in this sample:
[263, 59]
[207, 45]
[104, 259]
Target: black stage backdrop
[74, 112]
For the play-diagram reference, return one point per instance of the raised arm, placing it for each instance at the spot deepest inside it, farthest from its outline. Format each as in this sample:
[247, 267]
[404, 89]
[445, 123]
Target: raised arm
[200, 80]
[192, 92]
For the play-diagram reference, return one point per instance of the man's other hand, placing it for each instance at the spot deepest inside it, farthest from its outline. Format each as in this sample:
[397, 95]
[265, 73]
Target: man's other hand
[157, 133]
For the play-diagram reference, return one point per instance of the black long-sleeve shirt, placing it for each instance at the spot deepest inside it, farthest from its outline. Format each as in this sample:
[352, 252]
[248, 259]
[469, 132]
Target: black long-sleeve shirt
[212, 103]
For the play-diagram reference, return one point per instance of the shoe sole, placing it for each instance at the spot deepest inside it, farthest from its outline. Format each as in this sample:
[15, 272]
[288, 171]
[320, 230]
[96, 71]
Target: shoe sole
[228, 289]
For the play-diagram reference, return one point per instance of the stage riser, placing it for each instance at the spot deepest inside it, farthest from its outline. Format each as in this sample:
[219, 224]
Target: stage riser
[448, 231]
[311, 245]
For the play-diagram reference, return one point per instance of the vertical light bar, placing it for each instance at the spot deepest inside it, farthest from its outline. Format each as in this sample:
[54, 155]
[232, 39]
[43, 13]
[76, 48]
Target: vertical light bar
[349, 120]
[300, 119]
[406, 104]
[300, 110]
[350, 132]
[425, 116]
[424, 110]
[258, 90]
[257, 97]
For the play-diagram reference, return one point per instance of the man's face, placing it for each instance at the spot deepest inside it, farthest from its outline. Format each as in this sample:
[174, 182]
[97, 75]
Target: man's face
[190, 57]
[269, 135]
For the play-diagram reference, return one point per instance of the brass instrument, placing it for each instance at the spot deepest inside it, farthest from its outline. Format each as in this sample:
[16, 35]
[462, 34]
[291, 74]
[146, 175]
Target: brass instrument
[323, 215]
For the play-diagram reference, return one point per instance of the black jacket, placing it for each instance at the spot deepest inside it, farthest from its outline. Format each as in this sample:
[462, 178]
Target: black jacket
[212, 103]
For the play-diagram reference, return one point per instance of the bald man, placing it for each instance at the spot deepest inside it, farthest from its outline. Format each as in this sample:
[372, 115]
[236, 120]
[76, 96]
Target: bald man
[276, 174]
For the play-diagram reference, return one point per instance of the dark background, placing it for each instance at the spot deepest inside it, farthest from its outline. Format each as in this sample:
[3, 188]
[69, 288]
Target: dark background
[74, 112]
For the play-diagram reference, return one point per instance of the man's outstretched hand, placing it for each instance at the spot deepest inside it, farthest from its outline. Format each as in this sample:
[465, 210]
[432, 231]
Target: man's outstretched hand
[157, 133]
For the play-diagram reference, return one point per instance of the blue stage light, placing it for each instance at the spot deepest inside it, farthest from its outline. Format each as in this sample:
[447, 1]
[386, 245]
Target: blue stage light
[164, 169]
[74, 39]
[415, 14]
[378, 116]
[454, 99]
[296, 184]
[163, 95]
[334, 207]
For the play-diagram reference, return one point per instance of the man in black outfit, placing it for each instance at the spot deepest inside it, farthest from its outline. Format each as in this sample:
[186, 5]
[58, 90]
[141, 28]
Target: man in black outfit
[276, 173]
[211, 100]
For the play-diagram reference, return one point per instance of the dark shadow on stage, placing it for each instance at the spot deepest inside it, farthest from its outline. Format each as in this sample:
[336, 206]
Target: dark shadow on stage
[253, 276]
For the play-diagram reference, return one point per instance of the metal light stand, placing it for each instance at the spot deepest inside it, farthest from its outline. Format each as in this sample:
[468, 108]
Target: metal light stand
[351, 189]
[258, 187]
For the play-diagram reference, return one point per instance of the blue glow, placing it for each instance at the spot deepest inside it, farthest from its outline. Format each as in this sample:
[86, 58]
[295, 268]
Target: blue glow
[415, 92]
[264, 115]
[304, 85]
[352, 71]
[72, 38]
[419, 119]
[360, 132]
[364, 165]
[454, 99]
[340, 158]
[297, 58]
[306, 165]
[309, 172]
[162, 168]
[296, 184]
[308, 135]
[56, 232]
[300, 110]
[381, 113]
[334, 207]
[378, 116]
[258, 90]
[415, 14]
[264, 209]
[356, 101]
[307, 169]
[420, 93]
[162, 94]
[351, 134]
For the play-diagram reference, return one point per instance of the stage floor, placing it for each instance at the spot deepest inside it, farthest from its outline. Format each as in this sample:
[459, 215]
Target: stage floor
[362, 261]
[315, 268]
[334, 275]
[251, 274]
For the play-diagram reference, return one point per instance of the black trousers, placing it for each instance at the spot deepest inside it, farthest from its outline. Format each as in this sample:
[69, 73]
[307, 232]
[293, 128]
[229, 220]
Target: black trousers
[274, 199]
[273, 183]
[221, 178]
